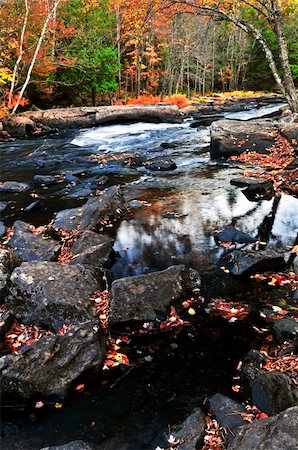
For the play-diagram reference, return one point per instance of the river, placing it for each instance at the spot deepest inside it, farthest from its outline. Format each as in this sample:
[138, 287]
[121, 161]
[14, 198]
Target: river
[181, 211]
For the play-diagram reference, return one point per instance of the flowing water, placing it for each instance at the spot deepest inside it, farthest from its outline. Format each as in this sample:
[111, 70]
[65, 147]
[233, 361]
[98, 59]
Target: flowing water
[183, 368]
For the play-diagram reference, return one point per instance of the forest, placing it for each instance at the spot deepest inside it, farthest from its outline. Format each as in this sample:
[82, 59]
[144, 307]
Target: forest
[95, 52]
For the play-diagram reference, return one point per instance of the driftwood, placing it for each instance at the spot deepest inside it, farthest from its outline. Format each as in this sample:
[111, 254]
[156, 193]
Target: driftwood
[39, 122]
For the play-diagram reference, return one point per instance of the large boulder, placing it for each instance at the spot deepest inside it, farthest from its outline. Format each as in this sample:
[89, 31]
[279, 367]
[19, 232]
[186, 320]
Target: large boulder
[275, 433]
[31, 247]
[50, 365]
[271, 392]
[109, 205]
[284, 329]
[92, 249]
[50, 294]
[233, 137]
[245, 262]
[143, 297]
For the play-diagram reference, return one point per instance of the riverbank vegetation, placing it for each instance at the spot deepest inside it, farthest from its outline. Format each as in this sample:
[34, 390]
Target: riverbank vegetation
[83, 52]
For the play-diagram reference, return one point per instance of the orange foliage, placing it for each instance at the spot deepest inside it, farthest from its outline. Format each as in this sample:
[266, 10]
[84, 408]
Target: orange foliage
[177, 99]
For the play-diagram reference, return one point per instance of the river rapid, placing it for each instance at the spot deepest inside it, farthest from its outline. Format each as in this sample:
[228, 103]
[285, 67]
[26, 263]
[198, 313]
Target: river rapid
[173, 221]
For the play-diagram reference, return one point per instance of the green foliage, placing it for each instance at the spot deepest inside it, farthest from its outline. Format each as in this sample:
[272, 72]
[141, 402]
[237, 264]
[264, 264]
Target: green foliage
[95, 62]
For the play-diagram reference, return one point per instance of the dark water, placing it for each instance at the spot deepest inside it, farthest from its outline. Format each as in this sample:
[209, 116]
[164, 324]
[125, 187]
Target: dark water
[183, 368]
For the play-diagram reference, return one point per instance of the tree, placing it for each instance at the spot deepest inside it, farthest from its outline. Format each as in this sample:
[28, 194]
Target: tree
[245, 14]
[90, 47]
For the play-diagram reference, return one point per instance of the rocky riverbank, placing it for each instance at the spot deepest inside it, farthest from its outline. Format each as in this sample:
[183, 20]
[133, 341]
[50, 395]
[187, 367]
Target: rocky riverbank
[53, 121]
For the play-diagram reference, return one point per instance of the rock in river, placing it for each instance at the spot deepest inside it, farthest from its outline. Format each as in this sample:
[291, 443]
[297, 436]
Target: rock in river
[233, 137]
[108, 205]
[231, 234]
[161, 165]
[144, 296]
[244, 262]
[31, 247]
[73, 445]
[92, 249]
[275, 433]
[51, 294]
[49, 366]
[14, 187]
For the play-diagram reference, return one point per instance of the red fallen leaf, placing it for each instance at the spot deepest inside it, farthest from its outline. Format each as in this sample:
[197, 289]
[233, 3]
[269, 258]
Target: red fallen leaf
[80, 387]
[263, 416]
[236, 388]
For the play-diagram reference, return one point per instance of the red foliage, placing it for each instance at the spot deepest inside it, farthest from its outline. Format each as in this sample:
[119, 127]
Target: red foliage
[279, 155]
[229, 310]
[172, 321]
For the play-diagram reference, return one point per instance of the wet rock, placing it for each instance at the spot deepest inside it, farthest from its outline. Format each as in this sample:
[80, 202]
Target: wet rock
[19, 127]
[251, 182]
[244, 262]
[34, 206]
[161, 165]
[143, 297]
[101, 180]
[275, 433]
[173, 215]
[134, 160]
[7, 263]
[92, 249]
[108, 205]
[255, 188]
[231, 234]
[190, 433]
[167, 145]
[271, 392]
[14, 187]
[233, 137]
[206, 120]
[50, 294]
[2, 229]
[136, 204]
[284, 329]
[31, 247]
[3, 206]
[49, 366]
[6, 320]
[227, 413]
[73, 445]
[77, 193]
[47, 180]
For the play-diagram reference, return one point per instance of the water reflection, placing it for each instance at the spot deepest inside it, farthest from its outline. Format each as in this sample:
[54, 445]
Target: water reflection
[147, 241]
